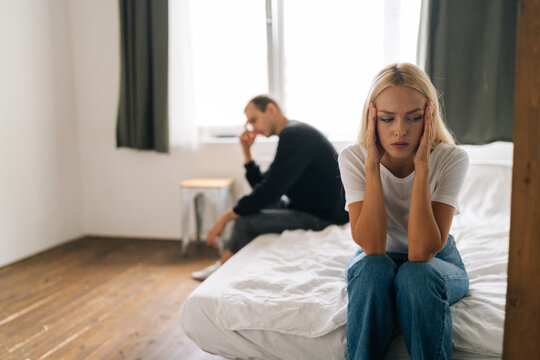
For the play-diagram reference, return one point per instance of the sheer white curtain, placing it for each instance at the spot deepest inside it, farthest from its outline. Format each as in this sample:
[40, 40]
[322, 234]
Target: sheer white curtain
[218, 61]
[183, 130]
[333, 49]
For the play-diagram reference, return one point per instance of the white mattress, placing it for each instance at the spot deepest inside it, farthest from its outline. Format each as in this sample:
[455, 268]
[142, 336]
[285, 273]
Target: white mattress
[227, 318]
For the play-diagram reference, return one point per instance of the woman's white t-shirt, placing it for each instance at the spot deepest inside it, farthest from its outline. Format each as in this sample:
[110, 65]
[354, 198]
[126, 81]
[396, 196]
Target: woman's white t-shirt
[448, 166]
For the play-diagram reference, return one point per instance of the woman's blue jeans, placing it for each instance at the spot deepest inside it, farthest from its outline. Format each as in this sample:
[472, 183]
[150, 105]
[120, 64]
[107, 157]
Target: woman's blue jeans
[388, 290]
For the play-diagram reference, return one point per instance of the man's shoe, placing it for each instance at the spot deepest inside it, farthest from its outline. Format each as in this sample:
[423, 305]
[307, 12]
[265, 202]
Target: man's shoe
[206, 272]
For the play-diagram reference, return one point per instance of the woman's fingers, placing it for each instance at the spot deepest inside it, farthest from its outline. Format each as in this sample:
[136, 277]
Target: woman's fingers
[374, 150]
[424, 148]
[372, 116]
[370, 125]
[426, 136]
[432, 128]
[429, 120]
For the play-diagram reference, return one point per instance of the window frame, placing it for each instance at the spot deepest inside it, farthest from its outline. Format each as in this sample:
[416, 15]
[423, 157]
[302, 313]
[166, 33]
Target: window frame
[276, 48]
[275, 41]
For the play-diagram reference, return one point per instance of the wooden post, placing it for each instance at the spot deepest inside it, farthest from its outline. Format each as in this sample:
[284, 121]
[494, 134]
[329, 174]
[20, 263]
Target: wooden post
[522, 324]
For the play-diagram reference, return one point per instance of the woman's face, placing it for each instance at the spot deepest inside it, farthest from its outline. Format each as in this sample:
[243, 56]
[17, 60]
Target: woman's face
[400, 120]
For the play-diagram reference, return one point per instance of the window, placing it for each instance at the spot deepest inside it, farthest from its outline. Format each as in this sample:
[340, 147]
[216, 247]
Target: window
[332, 52]
[230, 61]
[317, 57]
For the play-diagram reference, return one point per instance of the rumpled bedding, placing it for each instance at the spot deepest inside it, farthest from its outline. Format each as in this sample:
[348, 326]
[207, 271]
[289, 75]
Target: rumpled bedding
[298, 286]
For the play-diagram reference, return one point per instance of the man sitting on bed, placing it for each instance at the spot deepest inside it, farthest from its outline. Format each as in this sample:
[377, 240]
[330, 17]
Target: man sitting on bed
[305, 169]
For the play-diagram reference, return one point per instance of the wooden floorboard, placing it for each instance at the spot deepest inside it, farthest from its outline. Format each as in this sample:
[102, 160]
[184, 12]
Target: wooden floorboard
[98, 298]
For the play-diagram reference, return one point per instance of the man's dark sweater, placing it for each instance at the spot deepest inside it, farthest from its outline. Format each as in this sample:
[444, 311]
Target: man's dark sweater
[305, 169]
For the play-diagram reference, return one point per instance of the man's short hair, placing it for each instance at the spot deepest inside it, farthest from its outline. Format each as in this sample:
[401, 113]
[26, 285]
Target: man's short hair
[262, 101]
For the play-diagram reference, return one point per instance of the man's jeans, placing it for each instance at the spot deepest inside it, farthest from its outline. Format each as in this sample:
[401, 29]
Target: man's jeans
[386, 290]
[248, 227]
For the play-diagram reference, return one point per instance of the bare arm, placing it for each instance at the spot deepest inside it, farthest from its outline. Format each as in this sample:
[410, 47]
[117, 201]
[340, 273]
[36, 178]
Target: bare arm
[368, 217]
[219, 226]
[429, 222]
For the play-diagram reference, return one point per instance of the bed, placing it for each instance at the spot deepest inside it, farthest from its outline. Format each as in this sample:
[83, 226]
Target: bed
[284, 296]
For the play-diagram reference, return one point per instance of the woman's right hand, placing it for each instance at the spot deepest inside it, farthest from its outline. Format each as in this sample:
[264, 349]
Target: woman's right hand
[374, 149]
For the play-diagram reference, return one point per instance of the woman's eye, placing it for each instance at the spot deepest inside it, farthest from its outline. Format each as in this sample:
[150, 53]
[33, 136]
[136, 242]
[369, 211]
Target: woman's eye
[416, 118]
[386, 119]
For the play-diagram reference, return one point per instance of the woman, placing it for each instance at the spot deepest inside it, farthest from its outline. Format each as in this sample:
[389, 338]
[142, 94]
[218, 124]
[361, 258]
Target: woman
[402, 182]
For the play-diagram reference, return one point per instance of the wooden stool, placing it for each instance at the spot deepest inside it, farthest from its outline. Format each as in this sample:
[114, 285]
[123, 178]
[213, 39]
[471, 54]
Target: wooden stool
[218, 190]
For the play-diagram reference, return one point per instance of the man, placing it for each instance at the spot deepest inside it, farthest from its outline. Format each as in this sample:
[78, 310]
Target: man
[305, 169]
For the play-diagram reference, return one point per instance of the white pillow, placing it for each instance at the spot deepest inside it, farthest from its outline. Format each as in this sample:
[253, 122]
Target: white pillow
[486, 192]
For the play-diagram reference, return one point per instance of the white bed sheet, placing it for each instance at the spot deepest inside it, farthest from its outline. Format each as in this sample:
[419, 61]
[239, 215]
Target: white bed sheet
[481, 233]
[201, 311]
[296, 286]
[199, 317]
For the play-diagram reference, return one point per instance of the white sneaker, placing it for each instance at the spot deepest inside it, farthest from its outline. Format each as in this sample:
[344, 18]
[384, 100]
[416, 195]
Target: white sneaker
[206, 272]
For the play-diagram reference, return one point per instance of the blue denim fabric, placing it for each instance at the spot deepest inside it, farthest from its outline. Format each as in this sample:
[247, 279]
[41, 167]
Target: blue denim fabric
[388, 290]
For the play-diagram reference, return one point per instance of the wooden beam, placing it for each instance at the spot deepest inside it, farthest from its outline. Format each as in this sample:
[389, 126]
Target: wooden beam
[522, 323]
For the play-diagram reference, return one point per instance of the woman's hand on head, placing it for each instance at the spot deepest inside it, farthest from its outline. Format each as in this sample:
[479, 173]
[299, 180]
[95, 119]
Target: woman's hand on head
[374, 148]
[421, 157]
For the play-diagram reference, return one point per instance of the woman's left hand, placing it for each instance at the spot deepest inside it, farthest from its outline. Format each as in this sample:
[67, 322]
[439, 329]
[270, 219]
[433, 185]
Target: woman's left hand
[421, 157]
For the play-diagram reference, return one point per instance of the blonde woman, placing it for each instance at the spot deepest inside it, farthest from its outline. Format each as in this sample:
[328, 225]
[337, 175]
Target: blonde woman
[402, 182]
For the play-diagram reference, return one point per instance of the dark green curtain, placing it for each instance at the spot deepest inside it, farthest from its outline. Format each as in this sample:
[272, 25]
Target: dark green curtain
[468, 49]
[143, 109]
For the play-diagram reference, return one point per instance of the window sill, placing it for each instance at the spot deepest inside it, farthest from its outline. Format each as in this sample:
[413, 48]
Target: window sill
[234, 140]
[266, 146]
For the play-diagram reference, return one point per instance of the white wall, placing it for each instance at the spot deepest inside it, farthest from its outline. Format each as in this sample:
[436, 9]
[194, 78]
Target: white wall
[127, 192]
[40, 187]
[61, 174]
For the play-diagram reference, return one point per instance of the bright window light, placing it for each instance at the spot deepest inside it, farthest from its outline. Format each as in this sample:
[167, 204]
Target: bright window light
[228, 41]
[332, 52]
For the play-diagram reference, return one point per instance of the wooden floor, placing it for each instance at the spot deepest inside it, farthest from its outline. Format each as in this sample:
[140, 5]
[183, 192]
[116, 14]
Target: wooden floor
[98, 298]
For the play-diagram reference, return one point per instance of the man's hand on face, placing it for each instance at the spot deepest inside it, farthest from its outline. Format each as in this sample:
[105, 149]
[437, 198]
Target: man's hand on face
[247, 138]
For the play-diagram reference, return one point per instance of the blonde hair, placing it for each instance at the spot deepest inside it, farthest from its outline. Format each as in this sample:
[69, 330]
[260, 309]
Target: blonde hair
[405, 74]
